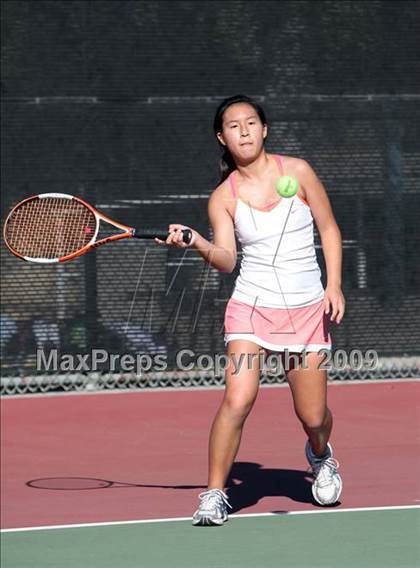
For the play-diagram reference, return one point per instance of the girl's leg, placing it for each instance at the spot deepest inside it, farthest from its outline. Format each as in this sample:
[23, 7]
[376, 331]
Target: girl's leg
[309, 390]
[240, 394]
[308, 384]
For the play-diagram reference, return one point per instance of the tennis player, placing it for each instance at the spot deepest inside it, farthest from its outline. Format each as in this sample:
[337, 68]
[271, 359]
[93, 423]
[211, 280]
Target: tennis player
[278, 305]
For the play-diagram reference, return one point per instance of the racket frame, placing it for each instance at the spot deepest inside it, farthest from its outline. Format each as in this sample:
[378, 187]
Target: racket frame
[93, 243]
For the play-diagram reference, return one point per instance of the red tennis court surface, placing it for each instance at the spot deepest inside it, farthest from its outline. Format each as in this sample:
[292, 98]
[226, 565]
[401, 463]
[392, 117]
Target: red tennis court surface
[156, 442]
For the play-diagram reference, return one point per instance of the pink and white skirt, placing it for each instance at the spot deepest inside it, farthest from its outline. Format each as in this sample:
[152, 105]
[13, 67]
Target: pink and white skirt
[279, 329]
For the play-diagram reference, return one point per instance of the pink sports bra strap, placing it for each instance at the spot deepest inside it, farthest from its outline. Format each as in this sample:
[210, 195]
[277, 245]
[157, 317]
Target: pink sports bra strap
[232, 182]
[279, 163]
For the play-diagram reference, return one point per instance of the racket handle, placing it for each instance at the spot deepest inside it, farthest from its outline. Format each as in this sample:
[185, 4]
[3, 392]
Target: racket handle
[160, 234]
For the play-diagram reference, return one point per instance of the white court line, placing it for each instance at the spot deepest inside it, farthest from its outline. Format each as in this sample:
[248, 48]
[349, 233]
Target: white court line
[177, 519]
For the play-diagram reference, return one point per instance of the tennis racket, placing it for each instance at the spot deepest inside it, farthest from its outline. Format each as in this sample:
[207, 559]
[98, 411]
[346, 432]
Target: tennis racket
[56, 227]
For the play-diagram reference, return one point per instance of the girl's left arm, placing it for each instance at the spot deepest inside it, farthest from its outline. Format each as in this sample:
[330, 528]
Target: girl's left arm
[330, 234]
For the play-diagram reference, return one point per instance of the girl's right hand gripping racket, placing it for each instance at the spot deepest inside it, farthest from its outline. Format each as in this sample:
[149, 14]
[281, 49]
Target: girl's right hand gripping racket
[56, 227]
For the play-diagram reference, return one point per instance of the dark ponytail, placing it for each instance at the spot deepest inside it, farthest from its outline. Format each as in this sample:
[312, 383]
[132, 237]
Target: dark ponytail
[227, 163]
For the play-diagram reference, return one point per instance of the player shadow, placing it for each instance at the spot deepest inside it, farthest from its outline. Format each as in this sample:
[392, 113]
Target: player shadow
[249, 482]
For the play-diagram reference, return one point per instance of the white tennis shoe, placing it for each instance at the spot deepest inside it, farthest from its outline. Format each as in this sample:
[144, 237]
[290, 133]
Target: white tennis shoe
[327, 485]
[212, 509]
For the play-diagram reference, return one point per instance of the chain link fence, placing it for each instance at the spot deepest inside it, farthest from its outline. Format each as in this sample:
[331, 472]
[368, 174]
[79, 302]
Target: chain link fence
[139, 146]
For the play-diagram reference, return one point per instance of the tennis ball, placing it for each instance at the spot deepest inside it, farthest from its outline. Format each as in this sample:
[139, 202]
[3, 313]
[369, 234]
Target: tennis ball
[287, 186]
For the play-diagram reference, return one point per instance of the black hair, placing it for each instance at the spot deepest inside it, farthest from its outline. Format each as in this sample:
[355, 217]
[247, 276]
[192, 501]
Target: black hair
[226, 162]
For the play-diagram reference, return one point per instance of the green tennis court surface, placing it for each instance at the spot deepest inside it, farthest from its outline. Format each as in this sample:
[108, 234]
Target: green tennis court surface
[345, 539]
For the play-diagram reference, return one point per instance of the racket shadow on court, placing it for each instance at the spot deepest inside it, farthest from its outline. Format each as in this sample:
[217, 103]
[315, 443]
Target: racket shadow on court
[249, 482]
[90, 483]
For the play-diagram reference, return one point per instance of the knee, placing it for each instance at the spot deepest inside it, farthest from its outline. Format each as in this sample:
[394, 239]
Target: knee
[238, 408]
[313, 420]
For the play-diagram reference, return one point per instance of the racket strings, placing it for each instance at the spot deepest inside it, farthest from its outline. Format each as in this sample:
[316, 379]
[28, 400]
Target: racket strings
[51, 227]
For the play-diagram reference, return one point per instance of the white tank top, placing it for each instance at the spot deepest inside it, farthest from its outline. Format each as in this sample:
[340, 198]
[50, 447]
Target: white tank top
[279, 268]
